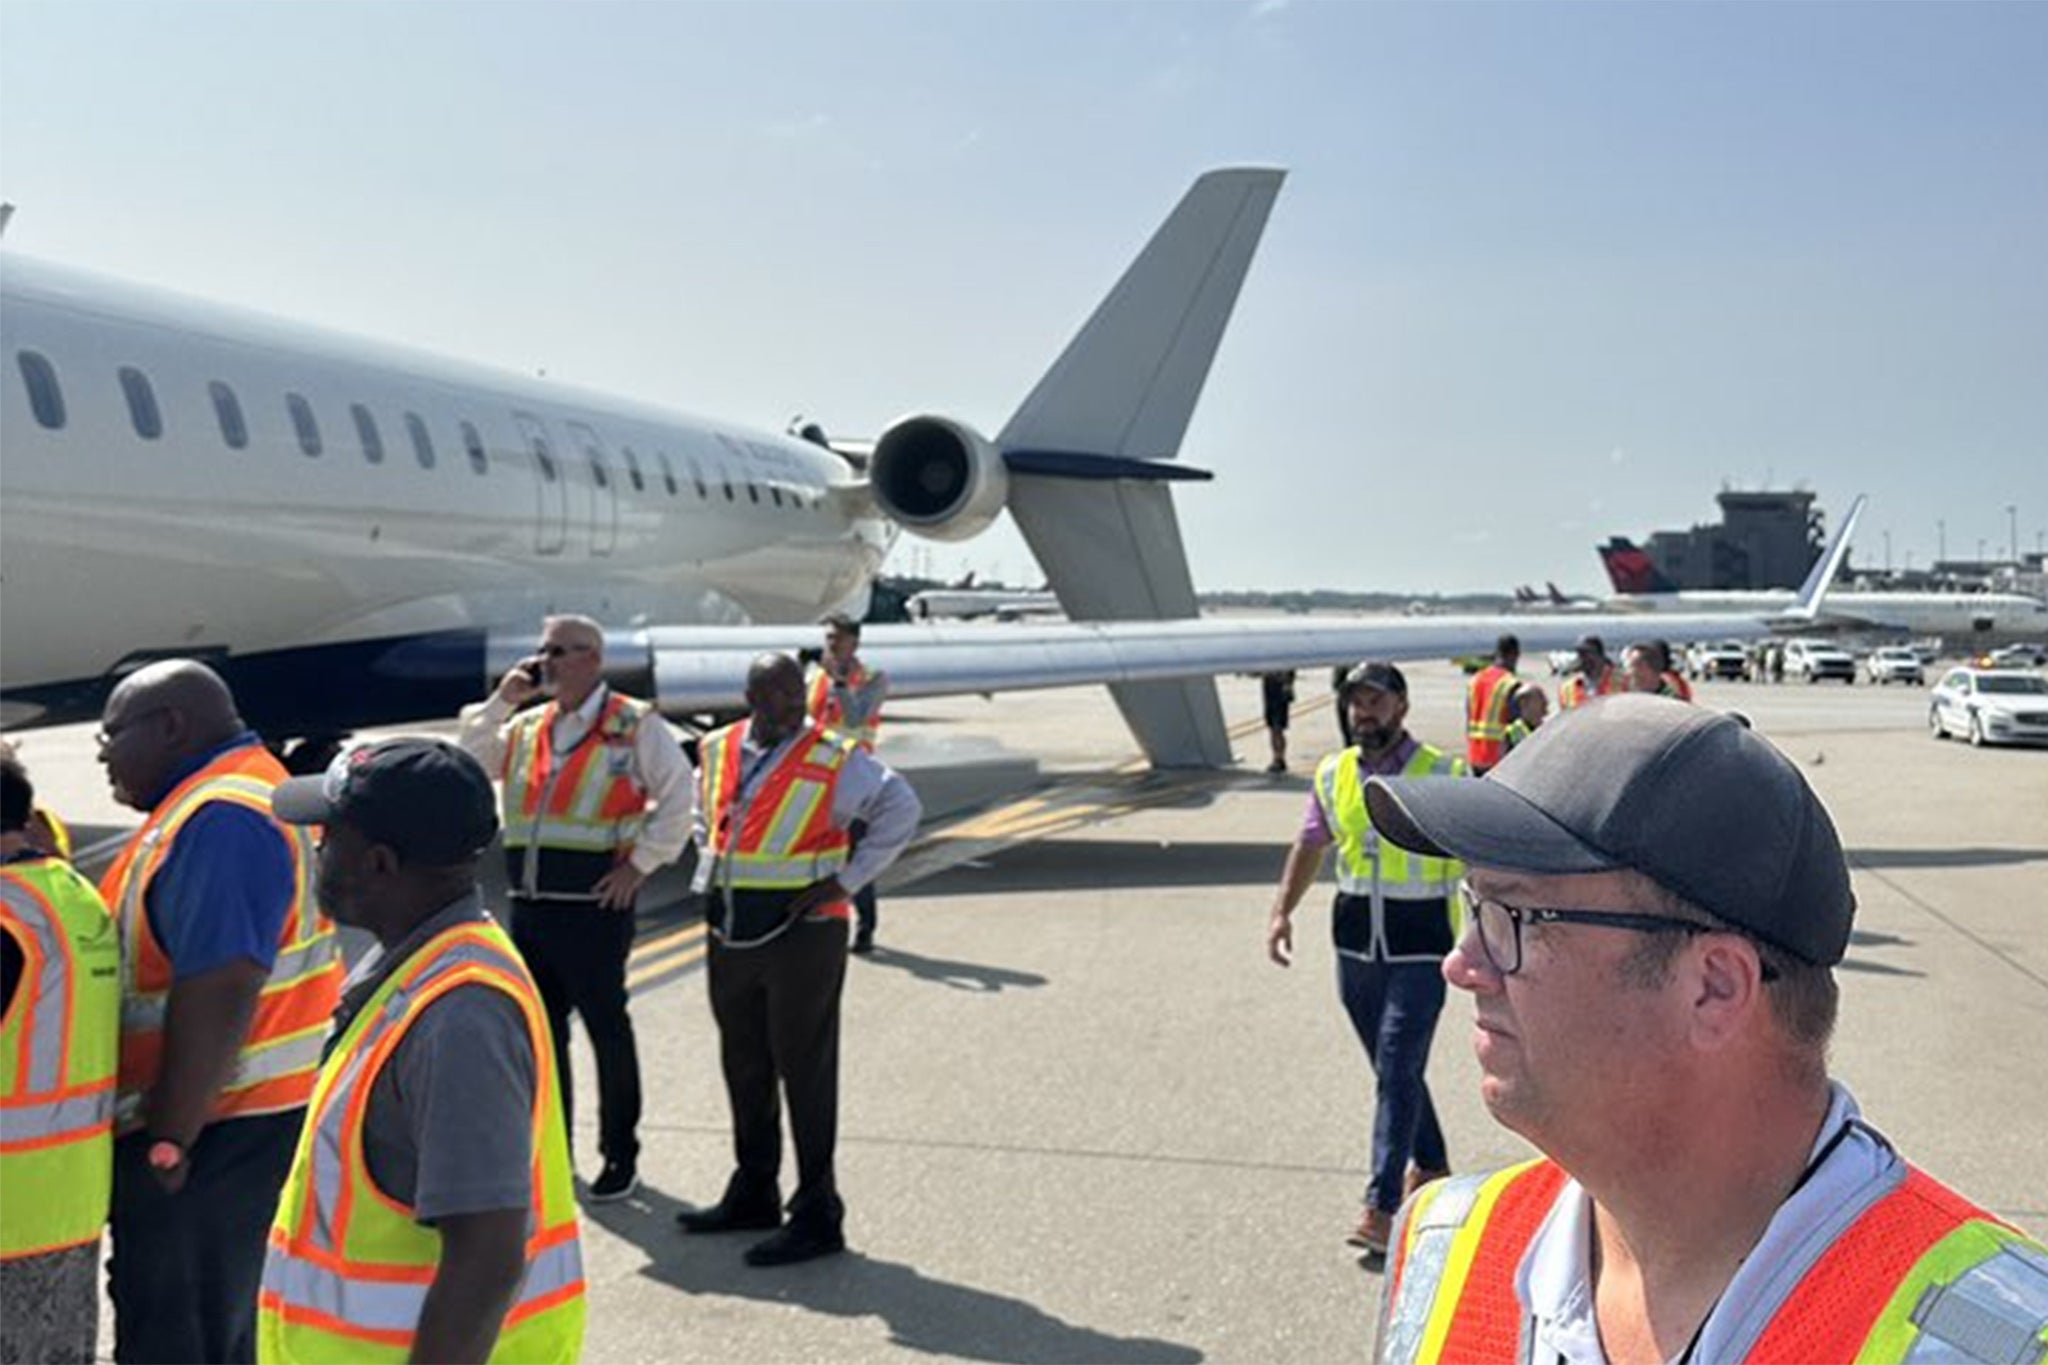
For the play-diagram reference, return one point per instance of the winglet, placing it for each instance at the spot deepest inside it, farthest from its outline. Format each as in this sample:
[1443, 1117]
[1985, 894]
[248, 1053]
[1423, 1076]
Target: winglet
[1806, 606]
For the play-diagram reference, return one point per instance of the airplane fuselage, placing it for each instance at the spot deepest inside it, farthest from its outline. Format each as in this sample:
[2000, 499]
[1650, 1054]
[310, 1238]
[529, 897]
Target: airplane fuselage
[1952, 614]
[181, 478]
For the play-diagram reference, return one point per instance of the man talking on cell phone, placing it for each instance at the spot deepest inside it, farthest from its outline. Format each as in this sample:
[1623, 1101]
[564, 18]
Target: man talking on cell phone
[596, 796]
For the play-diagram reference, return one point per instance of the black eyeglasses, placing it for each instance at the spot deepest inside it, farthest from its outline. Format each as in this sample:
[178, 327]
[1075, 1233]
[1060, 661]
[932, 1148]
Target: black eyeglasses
[107, 734]
[1500, 925]
[557, 651]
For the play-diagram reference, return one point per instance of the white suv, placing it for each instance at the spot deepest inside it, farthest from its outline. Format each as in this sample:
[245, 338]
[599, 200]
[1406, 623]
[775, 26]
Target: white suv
[1895, 663]
[1816, 659]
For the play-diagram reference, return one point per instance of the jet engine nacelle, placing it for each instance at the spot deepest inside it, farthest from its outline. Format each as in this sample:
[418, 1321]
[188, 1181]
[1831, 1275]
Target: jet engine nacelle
[938, 477]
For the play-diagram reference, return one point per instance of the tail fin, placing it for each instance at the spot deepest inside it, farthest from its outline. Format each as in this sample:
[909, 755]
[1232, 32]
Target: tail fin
[1088, 450]
[1806, 606]
[1630, 570]
[1557, 599]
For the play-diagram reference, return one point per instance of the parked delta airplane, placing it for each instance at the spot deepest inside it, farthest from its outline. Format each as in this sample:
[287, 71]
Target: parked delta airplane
[356, 535]
[1958, 616]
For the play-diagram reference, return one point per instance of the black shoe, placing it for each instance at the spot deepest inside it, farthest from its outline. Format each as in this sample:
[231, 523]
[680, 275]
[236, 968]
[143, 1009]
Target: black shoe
[617, 1180]
[731, 1215]
[797, 1242]
[863, 942]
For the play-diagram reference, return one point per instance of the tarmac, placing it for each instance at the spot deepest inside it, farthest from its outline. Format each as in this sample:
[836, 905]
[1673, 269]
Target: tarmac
[1084, 1119]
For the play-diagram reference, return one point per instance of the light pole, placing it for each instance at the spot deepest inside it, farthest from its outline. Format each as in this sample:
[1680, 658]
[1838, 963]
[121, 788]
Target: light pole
[1887, 551]
[2012, 529]
[1940, 541]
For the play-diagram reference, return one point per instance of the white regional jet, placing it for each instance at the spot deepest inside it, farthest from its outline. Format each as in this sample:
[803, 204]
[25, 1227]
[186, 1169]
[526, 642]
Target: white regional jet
[355, 534]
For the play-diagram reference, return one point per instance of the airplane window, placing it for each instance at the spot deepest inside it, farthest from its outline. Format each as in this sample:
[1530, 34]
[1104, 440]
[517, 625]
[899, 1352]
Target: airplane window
[228, 408]
[303, 423]
[753, 491]
[633, 469]
[697, 477]
[598, 473]
[474, 444]
[422, 443]
[142, 409]
[542, 458]
[366, 428]
[725, 476]
[775, 493]
[44, 396]
[668, 471]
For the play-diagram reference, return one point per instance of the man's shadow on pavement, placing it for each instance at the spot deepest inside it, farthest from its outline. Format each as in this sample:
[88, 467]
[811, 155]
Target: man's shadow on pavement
[961, 976]
[923, 1314]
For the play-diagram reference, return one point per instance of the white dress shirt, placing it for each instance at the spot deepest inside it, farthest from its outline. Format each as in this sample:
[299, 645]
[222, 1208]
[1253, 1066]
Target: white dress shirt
[660, 764]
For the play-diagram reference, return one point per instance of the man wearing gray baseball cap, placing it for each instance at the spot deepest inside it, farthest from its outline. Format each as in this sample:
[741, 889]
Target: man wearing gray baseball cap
[1653, 905]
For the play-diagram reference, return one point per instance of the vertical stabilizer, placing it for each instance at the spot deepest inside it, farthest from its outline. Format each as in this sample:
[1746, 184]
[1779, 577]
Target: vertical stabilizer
[1083, 449]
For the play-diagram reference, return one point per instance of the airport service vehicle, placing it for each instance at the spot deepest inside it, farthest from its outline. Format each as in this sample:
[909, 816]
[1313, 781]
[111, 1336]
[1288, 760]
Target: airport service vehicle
[1990, 706]
[1817, 659]
[1720, 659]
[354, 534]
[2019, 656]
[1895, 663]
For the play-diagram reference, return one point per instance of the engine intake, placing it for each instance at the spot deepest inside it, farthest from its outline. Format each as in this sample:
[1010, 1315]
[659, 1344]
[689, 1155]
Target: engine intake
[938, 477]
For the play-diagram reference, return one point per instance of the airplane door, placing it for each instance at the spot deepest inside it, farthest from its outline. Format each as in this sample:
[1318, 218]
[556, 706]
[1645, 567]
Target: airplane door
[604, 490]
[551, 492]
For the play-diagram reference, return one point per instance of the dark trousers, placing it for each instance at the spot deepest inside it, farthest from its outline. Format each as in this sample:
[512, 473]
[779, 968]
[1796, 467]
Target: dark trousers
[864, 908]
[186, 1266]
[1394, 1008]
[777, 1008]
[577, 954]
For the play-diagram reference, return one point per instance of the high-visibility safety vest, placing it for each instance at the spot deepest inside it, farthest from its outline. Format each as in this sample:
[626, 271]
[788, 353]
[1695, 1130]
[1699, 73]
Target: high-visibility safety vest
[1675, 685]
[274, 1070]
[348, 1267]
[782, 838]
[1577, 691]
[60, 1042]
[1921, 1273]
[1486, 715]
[570, 818]
[1518, 730]
[854, 708]
[1370, 867]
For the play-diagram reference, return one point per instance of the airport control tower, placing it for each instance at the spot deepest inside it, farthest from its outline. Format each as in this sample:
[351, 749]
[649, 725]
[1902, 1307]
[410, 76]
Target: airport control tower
[1764, 540]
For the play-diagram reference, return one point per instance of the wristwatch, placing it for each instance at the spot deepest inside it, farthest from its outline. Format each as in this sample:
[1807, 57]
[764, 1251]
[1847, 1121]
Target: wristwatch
[166, 1155]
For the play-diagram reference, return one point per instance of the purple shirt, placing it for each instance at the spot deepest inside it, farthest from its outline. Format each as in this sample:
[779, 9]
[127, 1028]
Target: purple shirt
[1315, 826]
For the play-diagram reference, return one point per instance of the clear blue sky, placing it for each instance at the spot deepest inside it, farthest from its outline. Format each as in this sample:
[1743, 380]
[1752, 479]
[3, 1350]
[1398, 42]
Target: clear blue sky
[1541, 273]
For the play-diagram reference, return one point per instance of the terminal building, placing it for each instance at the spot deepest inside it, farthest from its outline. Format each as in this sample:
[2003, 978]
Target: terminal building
[1763, 540]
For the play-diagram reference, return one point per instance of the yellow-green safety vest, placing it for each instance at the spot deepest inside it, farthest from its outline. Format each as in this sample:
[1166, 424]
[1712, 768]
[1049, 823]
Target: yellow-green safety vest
[60, 1044]
[348, 1267]
[1372, 868]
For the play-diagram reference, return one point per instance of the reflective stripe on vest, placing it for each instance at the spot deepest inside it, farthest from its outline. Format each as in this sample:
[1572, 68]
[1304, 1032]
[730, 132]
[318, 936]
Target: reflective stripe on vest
[1917, 1274]
[273, 1072]
[1366, 864]
[1486, 715]
[1577, 692]
[59, 1042]
[781, 836]
[861, 721]
[348, 1268]
[590, 798]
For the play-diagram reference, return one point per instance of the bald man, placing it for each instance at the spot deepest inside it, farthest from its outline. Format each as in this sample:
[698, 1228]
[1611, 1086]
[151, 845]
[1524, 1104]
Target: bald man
[229, 976]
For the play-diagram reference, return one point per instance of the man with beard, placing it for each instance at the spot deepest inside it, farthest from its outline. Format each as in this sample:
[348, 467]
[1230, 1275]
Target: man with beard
[1392, 926]
[454, 1237]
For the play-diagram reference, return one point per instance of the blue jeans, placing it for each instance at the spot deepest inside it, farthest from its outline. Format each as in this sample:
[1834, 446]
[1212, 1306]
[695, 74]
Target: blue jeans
[1393, 1008]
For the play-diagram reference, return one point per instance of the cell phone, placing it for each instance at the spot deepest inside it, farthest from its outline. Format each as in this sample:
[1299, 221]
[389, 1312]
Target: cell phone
[532, 672]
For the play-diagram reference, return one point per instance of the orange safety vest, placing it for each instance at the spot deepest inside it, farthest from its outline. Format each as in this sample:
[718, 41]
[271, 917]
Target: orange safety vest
[1675, 685]
[1577, 691]
[274, 1069]
[1486, 716]
[348, 1268]
[1450, 1290]
[569, 818]
[785, 838]
[825, 707]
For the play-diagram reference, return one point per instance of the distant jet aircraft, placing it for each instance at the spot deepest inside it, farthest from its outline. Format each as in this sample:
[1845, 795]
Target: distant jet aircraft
[967, 604]
[1640, 586]
[359, 535]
